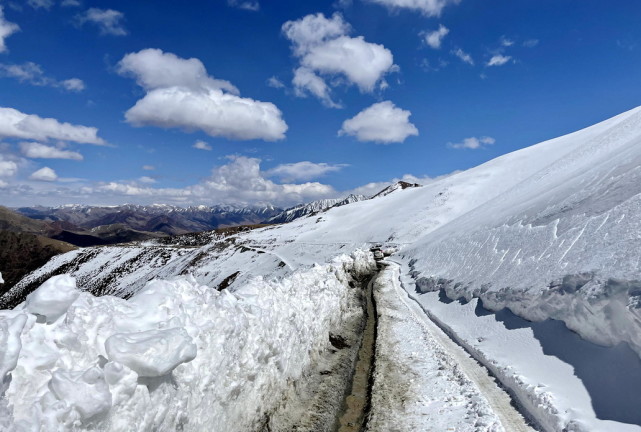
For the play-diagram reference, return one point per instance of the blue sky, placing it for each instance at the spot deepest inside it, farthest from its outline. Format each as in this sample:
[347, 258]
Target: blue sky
[104, 102]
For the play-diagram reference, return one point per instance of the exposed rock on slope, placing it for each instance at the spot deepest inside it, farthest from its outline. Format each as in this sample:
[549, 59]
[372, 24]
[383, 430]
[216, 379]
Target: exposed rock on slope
[313, 207]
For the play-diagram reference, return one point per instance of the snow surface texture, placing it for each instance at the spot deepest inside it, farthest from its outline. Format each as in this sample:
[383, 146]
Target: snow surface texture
[417, 385]
[176, 356]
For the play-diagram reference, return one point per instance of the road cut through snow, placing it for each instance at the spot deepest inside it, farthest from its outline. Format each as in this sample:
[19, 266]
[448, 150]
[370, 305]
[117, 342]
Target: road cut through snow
[425, 381]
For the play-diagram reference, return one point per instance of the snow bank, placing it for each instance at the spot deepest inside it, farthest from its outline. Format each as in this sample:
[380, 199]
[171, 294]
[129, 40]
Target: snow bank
[176, 356]
[53, 298]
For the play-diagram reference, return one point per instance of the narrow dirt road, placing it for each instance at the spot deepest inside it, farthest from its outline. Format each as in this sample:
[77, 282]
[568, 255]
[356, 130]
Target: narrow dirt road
[500, 402]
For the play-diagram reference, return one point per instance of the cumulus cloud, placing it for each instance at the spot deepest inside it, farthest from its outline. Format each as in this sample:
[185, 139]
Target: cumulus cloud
[148, 167]
[15, 124]
[33, 74]
[239, 181]
[426, 7]
[307, 82]
[382, 123]
[531, 43]
[44, 174]
[202, 145]
[180, 94]
[473, 143]
[325, 50]
[435, 38]
[6, 29]
[36, 150]
[303, 170]
[108, 21]
[244, 4]
[465, 57]
[70, 3]
[8, 168]
[499, 60]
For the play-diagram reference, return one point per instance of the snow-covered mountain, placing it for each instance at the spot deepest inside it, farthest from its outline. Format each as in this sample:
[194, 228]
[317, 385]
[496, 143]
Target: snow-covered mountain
[313, 207]
[538, 246]
[399, 185]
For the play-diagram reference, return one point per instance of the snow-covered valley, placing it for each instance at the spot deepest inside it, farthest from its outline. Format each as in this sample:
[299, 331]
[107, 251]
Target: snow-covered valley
[531, 262]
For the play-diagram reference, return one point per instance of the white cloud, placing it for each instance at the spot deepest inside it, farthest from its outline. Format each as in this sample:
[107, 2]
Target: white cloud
[275, 83]
[303, 170]
[15, 124]
[147, 180]
[244, 4]
[473, 143]
[73, 84]
[44, 174]
[7, 168]
[427, 7]
[155, 69]
[70, 3]
[506, 42]
[499, 60]
[6, 29]
[202, 145]
[108, 21]
[3, 184]
[40, 4]
[382, 123]
[148, 167]
[465, 57]
[33, 74]
[531, 43]
[435, 38]
[40, 151]
[306, 81]
[324, 50]
[180, 94]
[239, 181]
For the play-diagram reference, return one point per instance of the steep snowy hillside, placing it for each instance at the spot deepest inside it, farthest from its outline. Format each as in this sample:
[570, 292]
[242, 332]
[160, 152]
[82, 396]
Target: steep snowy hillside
[550, 233]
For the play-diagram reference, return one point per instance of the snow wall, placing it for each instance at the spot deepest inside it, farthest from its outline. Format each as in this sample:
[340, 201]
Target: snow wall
[176, 356]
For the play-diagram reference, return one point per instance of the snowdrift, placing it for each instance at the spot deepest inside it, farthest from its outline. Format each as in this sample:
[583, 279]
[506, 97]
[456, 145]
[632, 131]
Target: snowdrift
[176, 356]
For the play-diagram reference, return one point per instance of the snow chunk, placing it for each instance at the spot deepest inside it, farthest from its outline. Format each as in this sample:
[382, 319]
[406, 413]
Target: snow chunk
[10, 345]
[86, 391]
[151, 353]
[53, 298]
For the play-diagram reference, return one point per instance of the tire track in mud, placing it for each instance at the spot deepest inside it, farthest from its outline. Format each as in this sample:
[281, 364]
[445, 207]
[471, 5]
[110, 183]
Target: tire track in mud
[358, 401]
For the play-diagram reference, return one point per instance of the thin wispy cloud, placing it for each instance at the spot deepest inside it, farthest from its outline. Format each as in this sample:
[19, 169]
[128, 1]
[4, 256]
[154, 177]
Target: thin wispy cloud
[108, 21]
[6, 29]
[33, 74]
[434, 38]
[499, 60]
[465, 57]
[473, 143]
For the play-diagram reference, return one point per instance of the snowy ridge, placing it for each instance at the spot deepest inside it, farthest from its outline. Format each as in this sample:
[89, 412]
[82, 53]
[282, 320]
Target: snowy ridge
[313, 207]
[102, 362]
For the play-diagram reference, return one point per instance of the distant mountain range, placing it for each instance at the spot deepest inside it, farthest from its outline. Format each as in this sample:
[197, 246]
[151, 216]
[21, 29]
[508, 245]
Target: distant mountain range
[30, 236]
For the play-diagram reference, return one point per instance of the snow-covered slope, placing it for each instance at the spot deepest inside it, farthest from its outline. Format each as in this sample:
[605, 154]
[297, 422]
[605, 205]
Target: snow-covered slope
[552, 231]
[313, 207]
